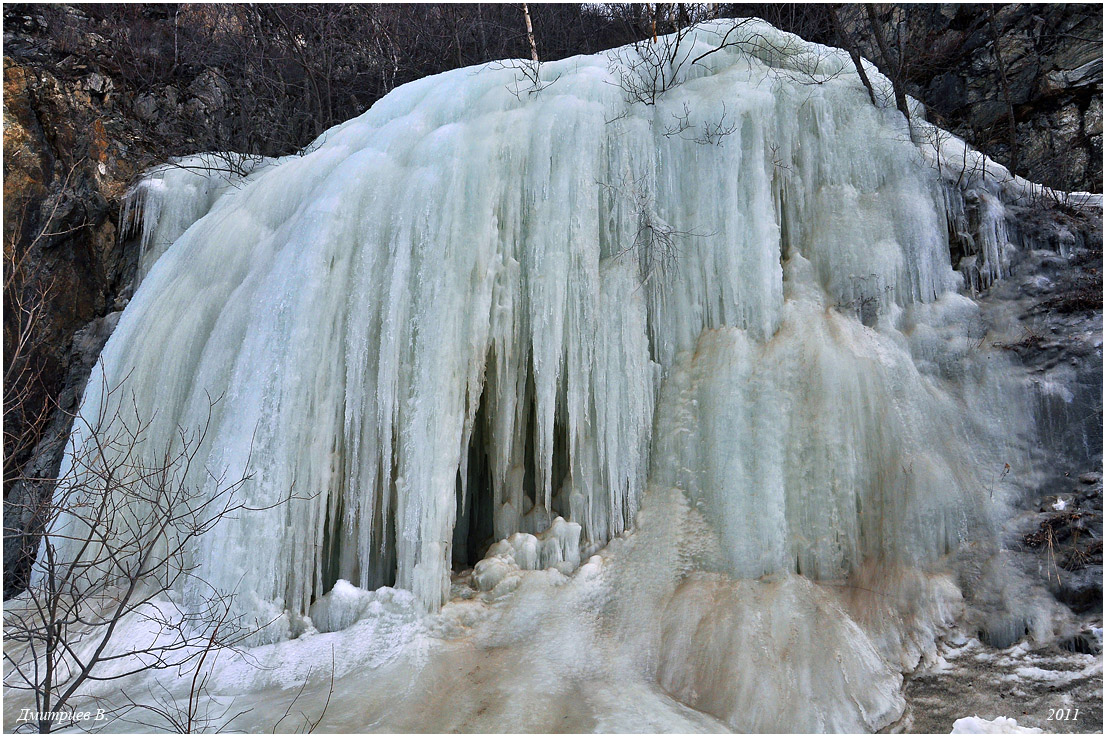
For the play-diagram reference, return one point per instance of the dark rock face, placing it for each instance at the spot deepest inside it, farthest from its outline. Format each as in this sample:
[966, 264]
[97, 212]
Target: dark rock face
[23, 498]
[68, 158]
[65, 169]
[975, 67]
[74, 140]
[1082, 589]
[1083, 642]
[1049, 314]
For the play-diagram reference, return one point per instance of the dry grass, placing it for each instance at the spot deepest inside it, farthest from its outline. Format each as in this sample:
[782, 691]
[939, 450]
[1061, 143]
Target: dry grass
[1066, 547]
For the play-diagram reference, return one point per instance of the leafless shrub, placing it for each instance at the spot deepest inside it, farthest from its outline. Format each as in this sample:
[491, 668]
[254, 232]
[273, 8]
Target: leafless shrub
[711, 133]
[528, 81]
[205, 711]
[655, 243]
[27, 403]
[308, 725]
[115, 548]
[648, 68]
[1029, 340]
[202, 712]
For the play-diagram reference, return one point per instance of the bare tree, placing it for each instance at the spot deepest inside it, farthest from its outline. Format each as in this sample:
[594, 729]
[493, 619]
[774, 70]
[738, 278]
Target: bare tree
[710, 133]
[844, 39]
[649, 67]
[31, 394]
[530, 33]
[894, 64]
[25, 417]
[1004, 84]
[528, 79]
[117, 539]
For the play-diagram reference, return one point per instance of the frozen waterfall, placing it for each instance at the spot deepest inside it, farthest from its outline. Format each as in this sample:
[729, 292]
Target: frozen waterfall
[484, 305]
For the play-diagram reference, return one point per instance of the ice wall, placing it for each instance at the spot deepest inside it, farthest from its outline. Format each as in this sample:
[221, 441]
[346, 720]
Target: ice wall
[530, 301]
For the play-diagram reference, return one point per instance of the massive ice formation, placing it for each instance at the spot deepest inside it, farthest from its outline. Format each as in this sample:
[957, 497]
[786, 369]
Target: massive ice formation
[480, 307]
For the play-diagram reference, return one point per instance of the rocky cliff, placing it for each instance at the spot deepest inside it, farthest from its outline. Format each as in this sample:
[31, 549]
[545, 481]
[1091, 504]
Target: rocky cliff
[66, 164]
[1022, 82]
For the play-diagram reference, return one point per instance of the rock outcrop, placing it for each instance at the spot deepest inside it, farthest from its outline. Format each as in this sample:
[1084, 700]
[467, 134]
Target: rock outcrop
[976, 67]
[69, 155]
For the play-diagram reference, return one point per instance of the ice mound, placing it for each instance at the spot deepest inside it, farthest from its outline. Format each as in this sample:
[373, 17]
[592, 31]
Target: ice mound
[558, 547]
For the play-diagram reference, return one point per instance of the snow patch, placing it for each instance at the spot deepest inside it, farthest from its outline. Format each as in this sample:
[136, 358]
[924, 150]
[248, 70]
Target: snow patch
[998, 725]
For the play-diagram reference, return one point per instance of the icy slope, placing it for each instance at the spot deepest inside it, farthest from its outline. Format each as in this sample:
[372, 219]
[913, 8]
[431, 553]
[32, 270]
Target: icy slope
[480, 306]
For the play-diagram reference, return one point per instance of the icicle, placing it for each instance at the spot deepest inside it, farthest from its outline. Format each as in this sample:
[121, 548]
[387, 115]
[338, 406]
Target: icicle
[171, 197]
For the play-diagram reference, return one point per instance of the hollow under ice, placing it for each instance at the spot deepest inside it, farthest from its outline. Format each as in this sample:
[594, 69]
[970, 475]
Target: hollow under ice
[512, 329]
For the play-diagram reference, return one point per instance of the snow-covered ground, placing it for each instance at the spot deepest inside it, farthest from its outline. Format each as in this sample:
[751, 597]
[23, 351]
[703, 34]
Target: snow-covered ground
[1022, 683]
